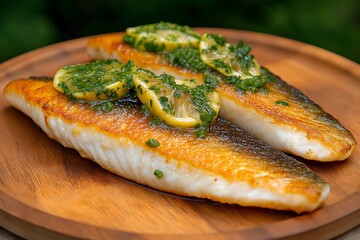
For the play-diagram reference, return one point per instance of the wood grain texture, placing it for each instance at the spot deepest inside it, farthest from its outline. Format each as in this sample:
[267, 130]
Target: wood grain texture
[50, 191]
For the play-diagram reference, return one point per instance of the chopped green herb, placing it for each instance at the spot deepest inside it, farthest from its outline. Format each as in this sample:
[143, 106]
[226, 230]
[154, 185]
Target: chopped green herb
[105, 107]
[153, 28]
[221, 64]
[145, 71]
[155, 88]
[241, 49]
[156, 121]
[235, 63]
[212, 80]
[149, 44]
[139, 89]
[242, 56]
[99, 77]
[282, 103]
[198, 98]
[153, 143]
[167, 80]
[158, 173]
[160, 37]
[201, 131]
[131, 95]
[188, 58]
[228, 58]
[145, 110]
[220, 40]
[166, 105]
[130, 40]
[177, 93]
[252, 84]
[67, 91]
[200, 101]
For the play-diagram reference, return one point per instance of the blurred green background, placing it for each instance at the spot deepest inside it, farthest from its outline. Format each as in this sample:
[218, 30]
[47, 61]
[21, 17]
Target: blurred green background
[330, 24]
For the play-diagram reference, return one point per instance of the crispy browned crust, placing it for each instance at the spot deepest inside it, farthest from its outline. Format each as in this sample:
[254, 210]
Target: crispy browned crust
[302, 115]
[227, 150]
[112, 44]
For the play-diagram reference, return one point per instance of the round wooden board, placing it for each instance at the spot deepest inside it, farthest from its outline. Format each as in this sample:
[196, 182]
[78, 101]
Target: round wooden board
[49, 192]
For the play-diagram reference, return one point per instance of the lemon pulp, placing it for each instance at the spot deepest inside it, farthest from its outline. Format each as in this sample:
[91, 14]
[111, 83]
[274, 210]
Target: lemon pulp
[161, 36]
[99, 80]
[179, 103]
[226, 58]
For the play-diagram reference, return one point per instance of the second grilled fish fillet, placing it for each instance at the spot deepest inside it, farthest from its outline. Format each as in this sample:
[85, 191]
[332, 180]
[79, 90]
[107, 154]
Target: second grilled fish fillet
[229, 166]
[302, 128]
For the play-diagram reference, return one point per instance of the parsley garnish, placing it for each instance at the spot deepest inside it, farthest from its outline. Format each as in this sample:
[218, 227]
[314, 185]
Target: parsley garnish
[212, 80]
[150, 42]
[96, 77]
[166, 105]
[156, 121]
[282, 103]
[252, 84]
[158, 173]
[201, 131]
[105, 107]
[145, 110]
[153, 143]
[188, 58]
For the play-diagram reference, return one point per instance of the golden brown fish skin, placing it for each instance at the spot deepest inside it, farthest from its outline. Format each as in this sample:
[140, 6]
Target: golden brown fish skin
[112, 45]
[302, 114]
[227, 151]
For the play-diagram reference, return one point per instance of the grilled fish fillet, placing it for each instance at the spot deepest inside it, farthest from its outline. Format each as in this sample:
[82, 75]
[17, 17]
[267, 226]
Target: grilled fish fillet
[303, 128]
[229, 166]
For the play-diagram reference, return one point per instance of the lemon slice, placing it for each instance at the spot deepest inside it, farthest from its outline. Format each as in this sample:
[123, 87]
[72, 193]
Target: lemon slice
[99, 80]
[161, 36]
[228, 59]
[179, 103]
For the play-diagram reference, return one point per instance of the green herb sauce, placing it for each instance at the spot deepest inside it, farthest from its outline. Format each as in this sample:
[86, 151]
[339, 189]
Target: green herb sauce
[197, 95]
[149, 44]
[243, 57]
[253, 84]
[145, 110]
[96, 76]
[188, 58]
[201, 131]
[212, 80]
[156, 121]
[166, 105]
[153, 28]
[106, 106]
[221, 64]
[220, 40]
[149, 41]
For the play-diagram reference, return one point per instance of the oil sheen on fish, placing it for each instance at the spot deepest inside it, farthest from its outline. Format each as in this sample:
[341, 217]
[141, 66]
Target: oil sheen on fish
[228, 166]
[302, 128]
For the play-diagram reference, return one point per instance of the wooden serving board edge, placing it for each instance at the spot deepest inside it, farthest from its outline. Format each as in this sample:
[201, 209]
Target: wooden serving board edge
[329, 226]
[321, 224]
